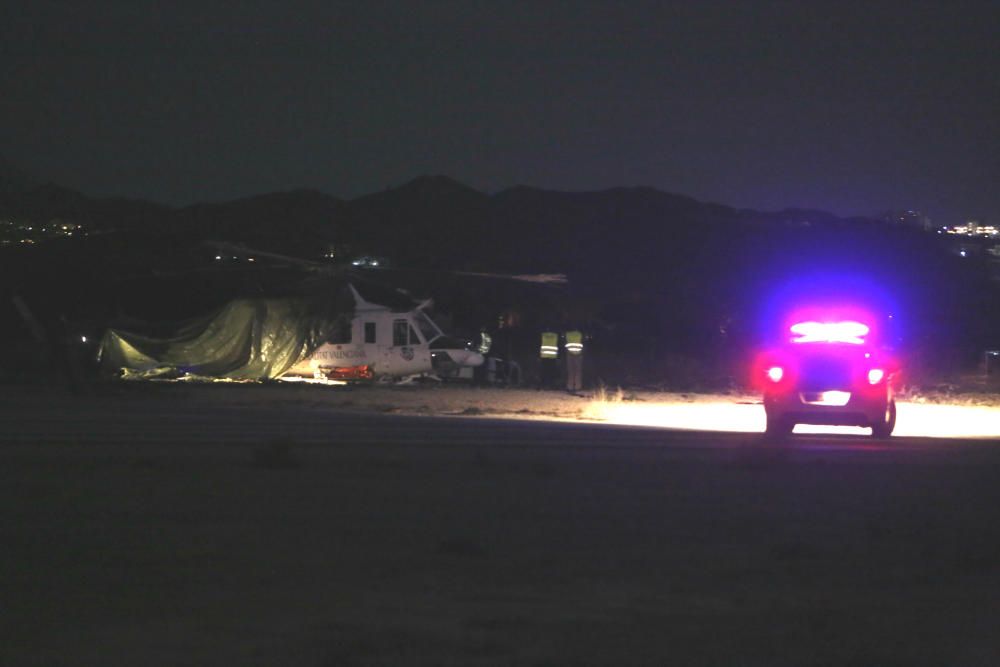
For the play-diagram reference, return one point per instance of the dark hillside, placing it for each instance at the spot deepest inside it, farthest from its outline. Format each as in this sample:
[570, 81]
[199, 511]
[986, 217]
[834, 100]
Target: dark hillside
[47, 203]
[650, 273]
[302, 222]
[430, 222]
[622, 231]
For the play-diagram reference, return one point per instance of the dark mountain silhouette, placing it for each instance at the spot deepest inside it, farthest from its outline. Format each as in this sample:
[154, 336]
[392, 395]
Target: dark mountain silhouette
[43, 203]
[298, 221]
[620, 227]
[664, 266]
[429, 222]
[437, 222]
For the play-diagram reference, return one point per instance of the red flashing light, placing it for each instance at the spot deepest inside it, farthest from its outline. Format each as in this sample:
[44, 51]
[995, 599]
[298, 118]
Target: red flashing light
[875, 375]
[775, 373]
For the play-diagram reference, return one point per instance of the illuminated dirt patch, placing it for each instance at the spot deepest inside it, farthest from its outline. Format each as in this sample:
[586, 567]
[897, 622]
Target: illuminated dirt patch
[700, 416]
[947, 421]
[913, 419]
[932, 417]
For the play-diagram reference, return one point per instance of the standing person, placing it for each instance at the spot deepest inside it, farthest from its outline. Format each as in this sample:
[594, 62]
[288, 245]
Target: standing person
[574, 361]
[548, 354]
[484, 341]
[480, 374]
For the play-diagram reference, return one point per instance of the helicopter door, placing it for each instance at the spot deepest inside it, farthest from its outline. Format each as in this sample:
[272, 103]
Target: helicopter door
[408, 354]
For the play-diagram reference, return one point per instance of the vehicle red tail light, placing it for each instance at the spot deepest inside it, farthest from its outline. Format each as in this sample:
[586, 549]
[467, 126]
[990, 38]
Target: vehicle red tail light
[875, 375]
[775, 373]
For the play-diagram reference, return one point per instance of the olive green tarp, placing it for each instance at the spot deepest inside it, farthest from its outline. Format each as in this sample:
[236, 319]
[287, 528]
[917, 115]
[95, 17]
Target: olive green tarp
[247, 339]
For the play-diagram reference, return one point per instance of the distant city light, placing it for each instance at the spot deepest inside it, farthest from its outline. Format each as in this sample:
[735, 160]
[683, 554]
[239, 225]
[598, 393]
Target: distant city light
[973, 228]
[12, 232]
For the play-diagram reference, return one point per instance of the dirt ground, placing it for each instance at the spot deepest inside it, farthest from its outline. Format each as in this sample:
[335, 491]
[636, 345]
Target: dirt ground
[407, 541]
[944, 414]
[431, 398]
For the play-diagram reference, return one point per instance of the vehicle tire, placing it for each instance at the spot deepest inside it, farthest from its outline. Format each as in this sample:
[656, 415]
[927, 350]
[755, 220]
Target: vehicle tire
[884, 428]
[778, 428]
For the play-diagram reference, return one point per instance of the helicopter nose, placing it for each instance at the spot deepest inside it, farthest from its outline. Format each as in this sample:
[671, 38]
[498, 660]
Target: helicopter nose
[470, 358]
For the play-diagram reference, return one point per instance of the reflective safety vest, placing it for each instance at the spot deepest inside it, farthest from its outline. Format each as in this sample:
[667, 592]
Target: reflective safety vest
[550, 345]
[574, 342]
[485, 343]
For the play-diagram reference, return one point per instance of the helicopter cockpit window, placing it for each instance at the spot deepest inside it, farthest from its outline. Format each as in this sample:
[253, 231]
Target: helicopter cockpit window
[404, 334]
[427, 326]
[340, 334]
[369, 332]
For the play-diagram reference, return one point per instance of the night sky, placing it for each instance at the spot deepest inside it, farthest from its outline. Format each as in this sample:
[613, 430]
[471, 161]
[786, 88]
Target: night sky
[849, 107]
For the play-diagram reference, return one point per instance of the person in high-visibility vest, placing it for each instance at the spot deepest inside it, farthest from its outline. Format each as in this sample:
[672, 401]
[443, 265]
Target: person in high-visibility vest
[548, 354]
[574, 360]
[483, 343]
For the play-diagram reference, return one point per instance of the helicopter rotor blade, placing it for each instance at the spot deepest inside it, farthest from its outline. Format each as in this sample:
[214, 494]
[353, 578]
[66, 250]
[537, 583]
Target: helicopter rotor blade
[241, 249]
[542, 278]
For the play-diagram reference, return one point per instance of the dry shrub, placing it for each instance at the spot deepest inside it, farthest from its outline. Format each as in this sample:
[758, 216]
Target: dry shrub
[603, 394]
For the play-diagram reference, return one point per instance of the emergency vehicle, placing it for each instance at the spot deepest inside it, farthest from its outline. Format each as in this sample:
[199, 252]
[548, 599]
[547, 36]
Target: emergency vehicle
[828, 371]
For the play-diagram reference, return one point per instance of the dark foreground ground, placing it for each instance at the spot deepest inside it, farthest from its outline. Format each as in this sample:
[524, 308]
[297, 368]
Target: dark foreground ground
[160, 528]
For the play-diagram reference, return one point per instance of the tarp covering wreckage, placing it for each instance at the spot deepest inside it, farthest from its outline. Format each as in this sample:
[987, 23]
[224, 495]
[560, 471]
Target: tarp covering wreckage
[247, 339]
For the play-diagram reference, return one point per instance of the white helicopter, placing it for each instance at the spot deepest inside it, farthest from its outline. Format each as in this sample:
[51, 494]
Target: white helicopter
[300, 329]
[382, 343]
